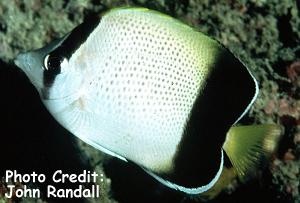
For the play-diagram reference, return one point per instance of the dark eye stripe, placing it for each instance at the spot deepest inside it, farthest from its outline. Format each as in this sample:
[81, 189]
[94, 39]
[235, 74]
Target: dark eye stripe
[76, 37]
[48, 78]
[52, 67]
[66, 49]
[52, 63]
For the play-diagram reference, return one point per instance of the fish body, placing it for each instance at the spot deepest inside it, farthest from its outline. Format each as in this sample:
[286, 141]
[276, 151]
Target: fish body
[146, 88]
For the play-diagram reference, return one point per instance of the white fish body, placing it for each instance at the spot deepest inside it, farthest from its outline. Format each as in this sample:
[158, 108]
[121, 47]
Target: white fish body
[129, 93]
[130, 87]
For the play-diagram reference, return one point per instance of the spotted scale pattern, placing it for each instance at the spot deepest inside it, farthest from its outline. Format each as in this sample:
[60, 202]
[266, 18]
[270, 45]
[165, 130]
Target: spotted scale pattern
[142, 73]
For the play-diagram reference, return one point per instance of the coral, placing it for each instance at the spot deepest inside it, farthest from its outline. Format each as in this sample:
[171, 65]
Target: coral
[286, 175]
[26, 25]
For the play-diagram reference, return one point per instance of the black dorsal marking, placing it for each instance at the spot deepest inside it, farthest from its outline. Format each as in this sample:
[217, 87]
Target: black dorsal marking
[72, 42]
[228, 91]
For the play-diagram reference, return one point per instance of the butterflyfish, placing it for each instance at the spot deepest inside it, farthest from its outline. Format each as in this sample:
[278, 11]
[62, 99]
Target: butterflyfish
[148, 89]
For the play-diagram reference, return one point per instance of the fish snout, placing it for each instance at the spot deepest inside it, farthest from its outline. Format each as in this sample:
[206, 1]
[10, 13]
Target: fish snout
[22, 62]
[31, 66]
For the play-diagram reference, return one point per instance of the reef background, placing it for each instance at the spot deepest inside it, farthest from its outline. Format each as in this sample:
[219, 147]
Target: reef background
[264, 34]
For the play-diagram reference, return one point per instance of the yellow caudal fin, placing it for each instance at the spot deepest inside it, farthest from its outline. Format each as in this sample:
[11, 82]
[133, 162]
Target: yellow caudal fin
[247, 146]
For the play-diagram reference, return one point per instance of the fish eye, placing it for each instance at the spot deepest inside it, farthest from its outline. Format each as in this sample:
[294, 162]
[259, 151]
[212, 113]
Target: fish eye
[52, 63]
